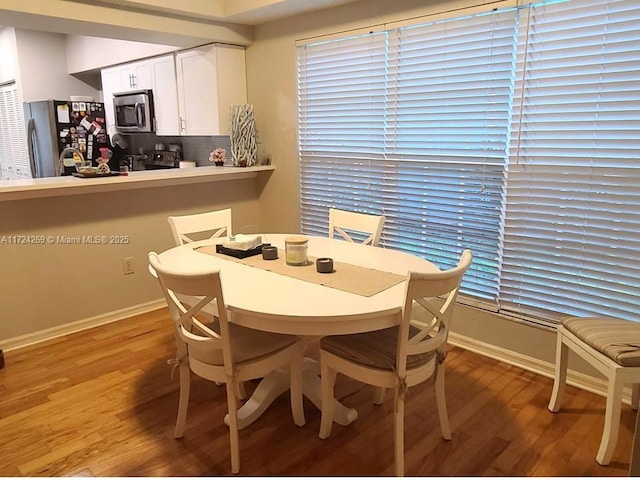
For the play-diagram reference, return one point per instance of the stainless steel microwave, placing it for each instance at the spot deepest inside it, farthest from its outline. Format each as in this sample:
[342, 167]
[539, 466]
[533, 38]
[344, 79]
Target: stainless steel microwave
[134, 111]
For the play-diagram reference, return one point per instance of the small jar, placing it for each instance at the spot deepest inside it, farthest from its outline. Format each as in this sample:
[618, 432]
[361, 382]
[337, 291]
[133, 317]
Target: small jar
[296, 250]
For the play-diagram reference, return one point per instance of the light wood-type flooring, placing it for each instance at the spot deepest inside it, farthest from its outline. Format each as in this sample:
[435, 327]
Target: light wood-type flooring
[102, 403]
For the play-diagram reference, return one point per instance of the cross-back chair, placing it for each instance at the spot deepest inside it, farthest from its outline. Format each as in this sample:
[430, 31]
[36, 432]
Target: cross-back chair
[183, 227]
[402, 356]
[342, 221]
[221, 351]
[217, 222]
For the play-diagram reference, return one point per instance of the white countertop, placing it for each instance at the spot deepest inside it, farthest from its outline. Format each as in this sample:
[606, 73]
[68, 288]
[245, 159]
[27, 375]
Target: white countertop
[70, 185]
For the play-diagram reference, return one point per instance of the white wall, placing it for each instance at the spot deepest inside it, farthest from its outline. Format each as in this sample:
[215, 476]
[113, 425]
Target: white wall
[42, 59]
[49, 286]
[89, 53]
[8, 55]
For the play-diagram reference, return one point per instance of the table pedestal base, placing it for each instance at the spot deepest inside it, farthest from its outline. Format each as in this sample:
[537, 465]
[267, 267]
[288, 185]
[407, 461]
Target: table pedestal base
[276, 383]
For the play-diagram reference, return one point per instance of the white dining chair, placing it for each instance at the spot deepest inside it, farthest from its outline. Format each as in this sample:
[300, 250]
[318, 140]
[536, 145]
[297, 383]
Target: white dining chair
[399, 357]
[221, 351]
[217, 222]
[612, 346]
[343, 222]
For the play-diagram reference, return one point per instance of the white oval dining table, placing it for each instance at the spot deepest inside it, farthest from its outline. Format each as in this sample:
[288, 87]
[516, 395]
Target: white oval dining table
[268, 301]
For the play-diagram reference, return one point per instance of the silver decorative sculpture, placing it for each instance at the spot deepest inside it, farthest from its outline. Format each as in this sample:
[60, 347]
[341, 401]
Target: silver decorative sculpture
[243, 136]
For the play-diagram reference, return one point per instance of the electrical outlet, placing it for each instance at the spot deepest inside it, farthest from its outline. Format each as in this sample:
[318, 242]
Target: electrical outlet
[128, 266]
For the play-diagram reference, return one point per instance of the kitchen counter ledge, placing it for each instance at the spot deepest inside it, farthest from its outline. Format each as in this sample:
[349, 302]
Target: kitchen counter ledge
[69, 185]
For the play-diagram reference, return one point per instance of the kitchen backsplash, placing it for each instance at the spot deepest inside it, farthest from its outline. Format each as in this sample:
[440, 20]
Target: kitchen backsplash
[194, 149]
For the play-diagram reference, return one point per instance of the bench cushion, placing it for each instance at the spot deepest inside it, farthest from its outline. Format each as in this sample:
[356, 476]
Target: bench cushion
[617, 339]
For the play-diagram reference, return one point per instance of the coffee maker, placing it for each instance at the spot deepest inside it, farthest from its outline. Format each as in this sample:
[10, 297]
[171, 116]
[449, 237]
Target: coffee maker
[177, 149]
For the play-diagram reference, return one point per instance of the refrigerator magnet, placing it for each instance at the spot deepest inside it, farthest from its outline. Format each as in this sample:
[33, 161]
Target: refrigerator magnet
[63, 113]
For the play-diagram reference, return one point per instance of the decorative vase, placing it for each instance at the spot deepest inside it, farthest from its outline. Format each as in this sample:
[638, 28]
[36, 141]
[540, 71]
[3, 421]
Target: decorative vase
[243, 136]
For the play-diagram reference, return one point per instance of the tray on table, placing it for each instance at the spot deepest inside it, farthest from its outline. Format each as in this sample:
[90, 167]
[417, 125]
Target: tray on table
[257, 250]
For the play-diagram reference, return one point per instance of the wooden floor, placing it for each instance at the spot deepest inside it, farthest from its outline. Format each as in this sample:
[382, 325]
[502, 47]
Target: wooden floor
[102, 403]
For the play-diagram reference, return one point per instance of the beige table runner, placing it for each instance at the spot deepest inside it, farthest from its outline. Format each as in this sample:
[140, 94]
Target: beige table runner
[346, 277]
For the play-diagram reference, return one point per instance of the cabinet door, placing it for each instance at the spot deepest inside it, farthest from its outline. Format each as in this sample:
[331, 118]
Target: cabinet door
[165, 99]
[198, 91]
[111, 83]
[136, 76]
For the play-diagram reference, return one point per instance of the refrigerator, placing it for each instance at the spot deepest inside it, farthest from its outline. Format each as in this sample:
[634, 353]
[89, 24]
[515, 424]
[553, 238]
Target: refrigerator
[53, 125]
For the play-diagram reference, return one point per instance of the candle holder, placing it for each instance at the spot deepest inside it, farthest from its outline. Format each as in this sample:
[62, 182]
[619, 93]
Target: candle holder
[269, 252]
[324, 265]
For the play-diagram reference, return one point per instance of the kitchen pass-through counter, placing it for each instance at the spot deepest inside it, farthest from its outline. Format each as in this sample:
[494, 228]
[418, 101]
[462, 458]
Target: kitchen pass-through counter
[70, 185]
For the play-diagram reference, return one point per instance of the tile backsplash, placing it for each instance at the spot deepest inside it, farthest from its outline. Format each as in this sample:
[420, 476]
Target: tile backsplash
[195, 149]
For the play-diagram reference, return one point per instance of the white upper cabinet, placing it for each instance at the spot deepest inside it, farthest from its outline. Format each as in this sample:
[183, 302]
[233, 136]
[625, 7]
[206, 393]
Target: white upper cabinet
[157, 74]
[136, 76]
[210, 79]
[193, 90]
[165, 101]
[111, 84]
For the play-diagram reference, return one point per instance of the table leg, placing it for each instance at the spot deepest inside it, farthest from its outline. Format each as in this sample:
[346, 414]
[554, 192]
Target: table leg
[276, 383]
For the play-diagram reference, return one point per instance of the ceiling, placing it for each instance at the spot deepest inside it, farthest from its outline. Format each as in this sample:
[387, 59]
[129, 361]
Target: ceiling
[243, 12]
[180, 23]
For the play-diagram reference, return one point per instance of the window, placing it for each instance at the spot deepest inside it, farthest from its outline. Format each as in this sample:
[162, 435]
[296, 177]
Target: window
[572, 233]
[342, 125]
[515, 133]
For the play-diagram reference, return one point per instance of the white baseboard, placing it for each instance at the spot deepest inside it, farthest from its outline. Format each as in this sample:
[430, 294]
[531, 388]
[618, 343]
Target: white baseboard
[84, 324]
[580, 380]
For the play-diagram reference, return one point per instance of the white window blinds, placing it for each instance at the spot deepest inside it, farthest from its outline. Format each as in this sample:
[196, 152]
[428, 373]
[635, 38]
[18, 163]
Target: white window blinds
[342, 89]
[447, 138]
[514, 133]
[572, 236]
[415, 129]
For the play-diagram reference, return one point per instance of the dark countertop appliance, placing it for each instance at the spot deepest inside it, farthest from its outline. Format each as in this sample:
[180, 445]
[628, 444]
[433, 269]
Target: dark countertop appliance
[162, 159]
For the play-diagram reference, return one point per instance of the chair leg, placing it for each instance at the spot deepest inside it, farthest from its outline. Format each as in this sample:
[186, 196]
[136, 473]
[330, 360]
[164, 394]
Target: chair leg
[327, 380]
[295, 367]
[441, 402]
[378, 397]
[611, 421]
[183, 404]
[242, 392]
[635, 395]
[398, 424]
[232, 405]
[560, 378]
[634, 463]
